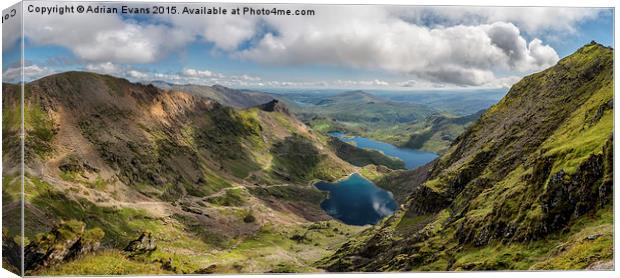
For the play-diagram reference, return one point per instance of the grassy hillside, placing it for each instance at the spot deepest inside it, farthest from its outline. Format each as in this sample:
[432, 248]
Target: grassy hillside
[438, 132]
[528, 186]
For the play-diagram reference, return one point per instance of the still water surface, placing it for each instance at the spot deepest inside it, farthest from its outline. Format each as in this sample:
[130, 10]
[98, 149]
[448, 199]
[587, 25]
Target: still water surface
[412, 158]
[356, 200]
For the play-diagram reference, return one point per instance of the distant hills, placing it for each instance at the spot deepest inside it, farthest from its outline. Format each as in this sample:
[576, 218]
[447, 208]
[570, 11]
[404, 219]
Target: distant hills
[359, 107]
[223, 95]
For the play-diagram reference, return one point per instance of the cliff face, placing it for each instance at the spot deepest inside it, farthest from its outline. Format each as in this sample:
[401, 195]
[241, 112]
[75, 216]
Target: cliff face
[535, 172]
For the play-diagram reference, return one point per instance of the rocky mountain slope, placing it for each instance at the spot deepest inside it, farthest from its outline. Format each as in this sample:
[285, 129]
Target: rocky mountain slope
[528, 186]
[216, 187]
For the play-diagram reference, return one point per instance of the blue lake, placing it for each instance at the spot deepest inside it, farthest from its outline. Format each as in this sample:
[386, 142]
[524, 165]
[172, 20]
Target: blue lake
[356, 200]
[412, 158]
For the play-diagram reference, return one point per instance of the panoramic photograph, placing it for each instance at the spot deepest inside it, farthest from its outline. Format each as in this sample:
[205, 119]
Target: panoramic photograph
[217, 138]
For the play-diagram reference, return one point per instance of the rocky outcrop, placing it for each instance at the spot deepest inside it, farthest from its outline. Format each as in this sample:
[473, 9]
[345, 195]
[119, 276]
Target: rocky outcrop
[144, 244]
[569, 196]
[11, 253]
[274, 106]
[66, 241]
[602, 265]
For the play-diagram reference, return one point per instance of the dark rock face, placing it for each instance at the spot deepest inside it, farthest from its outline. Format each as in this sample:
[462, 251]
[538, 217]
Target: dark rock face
[570, 196]
[74, 164]
[11, 255]
[142, 245]
[274, 106]
[64, 242]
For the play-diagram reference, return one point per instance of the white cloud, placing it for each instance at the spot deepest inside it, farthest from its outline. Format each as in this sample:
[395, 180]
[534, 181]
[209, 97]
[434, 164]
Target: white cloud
[31, 72]
[197, 73]
[186, 76]
[119, 70]
[105, 68]
[227, 32]
[360, 83]
[534, 20]
[138, 74]
[376, 39]
[249, 78]
[543, 55]
[106, 38]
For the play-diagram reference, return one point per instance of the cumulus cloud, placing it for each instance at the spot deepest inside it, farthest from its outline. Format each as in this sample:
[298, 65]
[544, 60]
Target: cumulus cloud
[461, 54]
[228, 33]
[119, 70]
[185, 76]
[197, 73]
[106, 38]
[533, 20]
[136, 74]
[105, 68]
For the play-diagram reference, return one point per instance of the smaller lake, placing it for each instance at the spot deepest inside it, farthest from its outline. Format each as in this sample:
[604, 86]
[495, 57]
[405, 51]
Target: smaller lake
[357, 201]
[412, 158]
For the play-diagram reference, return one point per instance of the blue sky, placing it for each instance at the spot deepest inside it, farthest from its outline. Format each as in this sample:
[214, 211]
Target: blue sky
[359, 47]
[600, 29]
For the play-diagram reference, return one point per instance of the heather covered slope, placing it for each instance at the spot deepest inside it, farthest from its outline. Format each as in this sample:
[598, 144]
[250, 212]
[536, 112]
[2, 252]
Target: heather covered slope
[528, 186]
[218, 189]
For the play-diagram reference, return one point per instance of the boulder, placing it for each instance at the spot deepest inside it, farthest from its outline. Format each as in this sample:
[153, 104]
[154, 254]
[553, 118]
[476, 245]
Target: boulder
[144, 244]
[207, 270]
